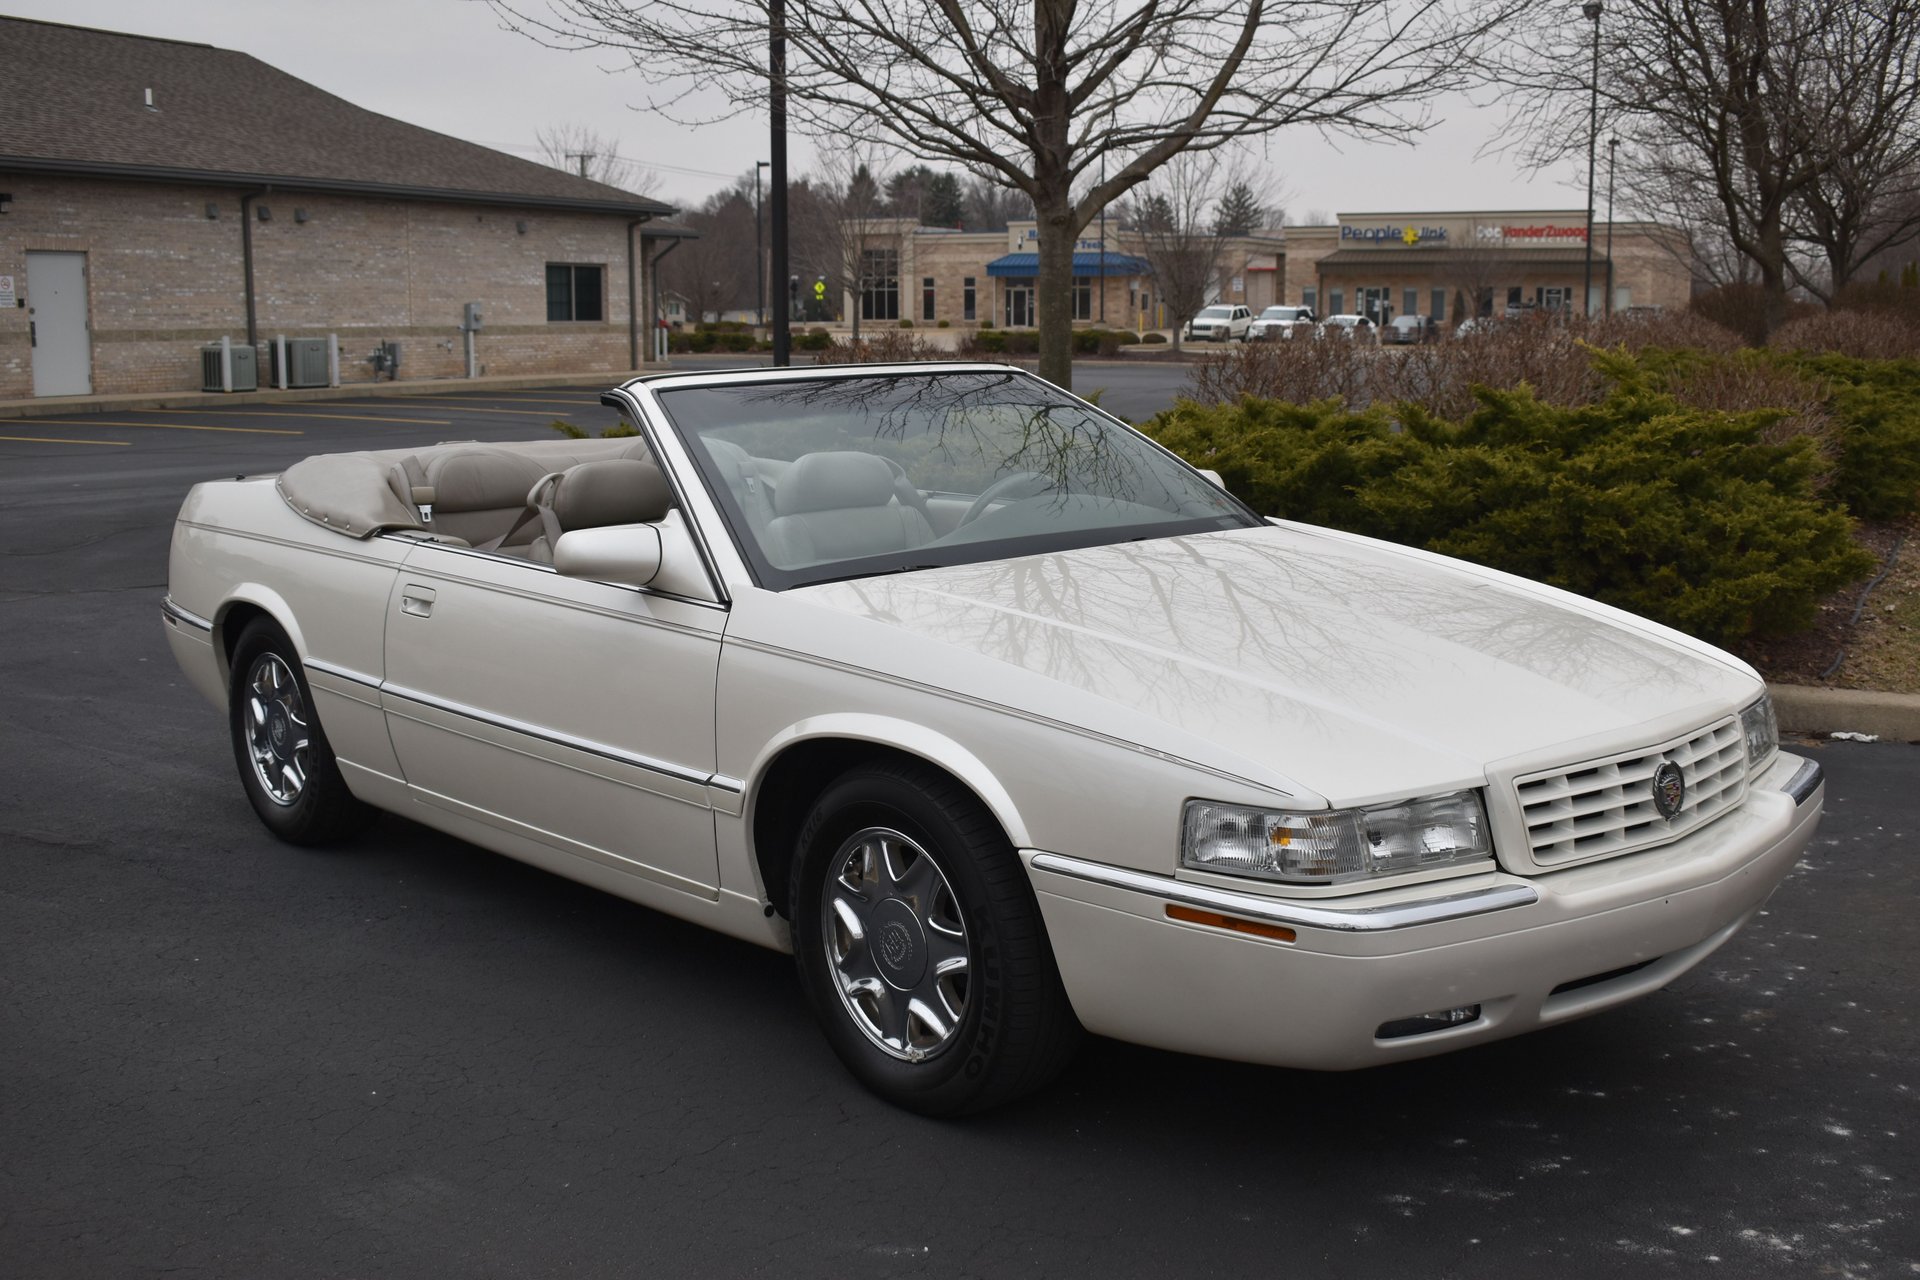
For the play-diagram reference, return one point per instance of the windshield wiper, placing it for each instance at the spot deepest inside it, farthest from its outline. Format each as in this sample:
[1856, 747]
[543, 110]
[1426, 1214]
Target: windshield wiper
[875, 573]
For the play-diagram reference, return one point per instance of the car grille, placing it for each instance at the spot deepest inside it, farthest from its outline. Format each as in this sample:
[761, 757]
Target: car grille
[1600, 808]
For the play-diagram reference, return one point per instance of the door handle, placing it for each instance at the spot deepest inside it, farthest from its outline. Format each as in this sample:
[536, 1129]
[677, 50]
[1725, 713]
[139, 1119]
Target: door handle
[416, 602]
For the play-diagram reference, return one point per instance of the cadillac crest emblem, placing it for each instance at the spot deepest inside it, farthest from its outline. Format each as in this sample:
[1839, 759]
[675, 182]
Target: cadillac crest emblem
[1669, 789]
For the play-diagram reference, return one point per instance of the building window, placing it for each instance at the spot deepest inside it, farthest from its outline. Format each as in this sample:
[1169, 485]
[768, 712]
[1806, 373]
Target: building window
[1409, 302]
[1310, 298]
[1439, 311]
[575, 292]
[1083, 298]
[1335, 300]
[879, 284]
[1513, 297]
[926, 297]
[968, 305]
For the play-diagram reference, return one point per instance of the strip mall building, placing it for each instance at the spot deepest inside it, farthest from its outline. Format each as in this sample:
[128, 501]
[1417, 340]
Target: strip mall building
[1446, 266]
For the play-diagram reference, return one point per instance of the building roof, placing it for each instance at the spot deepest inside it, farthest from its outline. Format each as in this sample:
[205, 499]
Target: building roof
[76, 102]
[1084, 264]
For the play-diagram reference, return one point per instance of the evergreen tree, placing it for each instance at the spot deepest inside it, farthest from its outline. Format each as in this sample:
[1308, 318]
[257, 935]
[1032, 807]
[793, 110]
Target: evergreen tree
[1240, 212]
[944, 206]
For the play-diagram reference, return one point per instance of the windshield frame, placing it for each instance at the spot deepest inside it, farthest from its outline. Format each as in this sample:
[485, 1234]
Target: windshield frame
[772, 577]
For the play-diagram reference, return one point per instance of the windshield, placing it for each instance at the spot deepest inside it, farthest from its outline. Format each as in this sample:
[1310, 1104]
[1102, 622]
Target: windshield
[825, 478]
[1216, 313]
[1278, 313]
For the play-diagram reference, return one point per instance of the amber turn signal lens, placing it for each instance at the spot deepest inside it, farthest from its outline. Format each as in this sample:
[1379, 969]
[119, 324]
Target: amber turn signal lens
[1213, 919]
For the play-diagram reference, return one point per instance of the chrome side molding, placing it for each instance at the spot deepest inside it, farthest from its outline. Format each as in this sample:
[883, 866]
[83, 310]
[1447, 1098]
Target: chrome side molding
[174, 614]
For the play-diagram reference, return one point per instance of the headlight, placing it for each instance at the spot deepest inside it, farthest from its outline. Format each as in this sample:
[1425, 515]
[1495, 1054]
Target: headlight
[1334, 846]
[1762, 730]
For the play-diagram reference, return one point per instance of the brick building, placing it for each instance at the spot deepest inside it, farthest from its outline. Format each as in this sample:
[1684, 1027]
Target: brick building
[1448, 266]
[158, 196]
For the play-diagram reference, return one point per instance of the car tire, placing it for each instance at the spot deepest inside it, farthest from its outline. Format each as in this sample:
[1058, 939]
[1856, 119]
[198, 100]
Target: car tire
[286, 765]
[920, 944]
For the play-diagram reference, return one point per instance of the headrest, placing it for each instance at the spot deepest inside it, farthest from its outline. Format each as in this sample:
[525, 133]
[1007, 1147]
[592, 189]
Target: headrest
[831, 481]
[616, 491]
[480, 479]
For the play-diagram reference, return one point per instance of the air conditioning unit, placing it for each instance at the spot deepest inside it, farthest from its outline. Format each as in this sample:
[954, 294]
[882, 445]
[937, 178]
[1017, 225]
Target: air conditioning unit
[307, 363]
[246, 368]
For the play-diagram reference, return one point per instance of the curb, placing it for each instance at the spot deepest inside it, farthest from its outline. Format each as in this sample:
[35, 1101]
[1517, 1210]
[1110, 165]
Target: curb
[1892, 717]
[57, 406]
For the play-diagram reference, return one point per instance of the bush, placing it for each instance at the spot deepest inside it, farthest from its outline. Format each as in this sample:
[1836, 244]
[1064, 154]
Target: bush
[1875, 407]
[1151, 338]
[906, 324]
[944, 324]
[813, 340]
[1864, 334]
[885, 346]
[1684, 515]
[1105, 342]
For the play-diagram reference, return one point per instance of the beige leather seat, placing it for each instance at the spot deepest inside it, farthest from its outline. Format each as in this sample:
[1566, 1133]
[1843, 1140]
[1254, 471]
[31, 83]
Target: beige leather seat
[840, 506]
[468, 493]
[594, 495]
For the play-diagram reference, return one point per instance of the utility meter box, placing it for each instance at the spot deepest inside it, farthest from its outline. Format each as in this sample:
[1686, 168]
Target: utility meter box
[472, 320]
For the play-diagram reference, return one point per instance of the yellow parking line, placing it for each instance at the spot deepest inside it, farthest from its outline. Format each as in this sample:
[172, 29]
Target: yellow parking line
[171, 426]
[480, 398]
[266, 412]
[53, 440]
[535, 413]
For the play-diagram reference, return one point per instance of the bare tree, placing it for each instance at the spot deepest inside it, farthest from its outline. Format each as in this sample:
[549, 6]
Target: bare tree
[715, 271]
[849, 208]
[990, 207]
[1177, 221]
[1073, 102]
[1764, 119]
[579, 149]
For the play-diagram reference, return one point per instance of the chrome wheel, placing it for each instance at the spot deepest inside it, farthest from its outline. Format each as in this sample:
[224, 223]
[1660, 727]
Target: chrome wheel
[279, 741]
[896, 944]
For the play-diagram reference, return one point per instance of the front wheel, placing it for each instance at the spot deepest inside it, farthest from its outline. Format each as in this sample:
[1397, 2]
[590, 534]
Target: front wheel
[920, 945]
[286, 765]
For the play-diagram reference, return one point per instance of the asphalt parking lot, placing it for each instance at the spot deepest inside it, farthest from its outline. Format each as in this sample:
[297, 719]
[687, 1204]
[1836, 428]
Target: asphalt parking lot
[223, 1057]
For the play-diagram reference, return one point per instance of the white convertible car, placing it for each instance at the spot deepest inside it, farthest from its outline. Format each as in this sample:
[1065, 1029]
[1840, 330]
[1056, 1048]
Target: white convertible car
[1006, 721]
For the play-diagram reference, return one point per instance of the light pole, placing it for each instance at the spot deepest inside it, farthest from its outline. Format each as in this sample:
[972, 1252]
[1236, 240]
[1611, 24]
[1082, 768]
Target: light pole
[1592, 10]
[759, 262]
[1613, 145]
[777, 154]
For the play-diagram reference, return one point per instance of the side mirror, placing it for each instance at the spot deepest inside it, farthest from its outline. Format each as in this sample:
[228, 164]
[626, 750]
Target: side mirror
[628, 554]
[1213, 477]
[659, 555]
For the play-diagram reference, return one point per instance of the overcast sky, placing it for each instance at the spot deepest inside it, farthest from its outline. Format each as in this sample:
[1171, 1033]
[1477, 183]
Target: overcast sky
[448, 65]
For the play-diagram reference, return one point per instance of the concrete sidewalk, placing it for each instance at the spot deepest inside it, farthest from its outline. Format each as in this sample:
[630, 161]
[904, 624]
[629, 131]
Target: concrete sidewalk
[1892, 717]
[55, 406]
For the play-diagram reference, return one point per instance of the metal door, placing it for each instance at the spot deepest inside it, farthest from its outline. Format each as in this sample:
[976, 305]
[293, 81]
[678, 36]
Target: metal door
[57, 319]
[1020, 306]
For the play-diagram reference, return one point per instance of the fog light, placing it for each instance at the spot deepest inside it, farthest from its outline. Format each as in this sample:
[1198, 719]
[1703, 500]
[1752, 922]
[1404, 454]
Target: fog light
[1438, 1020]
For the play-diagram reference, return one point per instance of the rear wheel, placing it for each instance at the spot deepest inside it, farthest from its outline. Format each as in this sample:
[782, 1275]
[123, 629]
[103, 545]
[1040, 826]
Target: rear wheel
[920, 945]
[286, 766]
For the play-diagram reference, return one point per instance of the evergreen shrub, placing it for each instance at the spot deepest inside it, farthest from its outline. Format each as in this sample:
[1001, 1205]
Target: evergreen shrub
[1687, 516]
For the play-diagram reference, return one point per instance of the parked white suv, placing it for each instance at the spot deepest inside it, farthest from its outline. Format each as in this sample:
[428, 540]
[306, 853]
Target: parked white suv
[1221, 323]
[1281, 322]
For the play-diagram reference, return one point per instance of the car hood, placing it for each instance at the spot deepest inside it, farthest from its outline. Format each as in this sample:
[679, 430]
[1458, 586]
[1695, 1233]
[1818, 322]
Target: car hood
[1294, 657]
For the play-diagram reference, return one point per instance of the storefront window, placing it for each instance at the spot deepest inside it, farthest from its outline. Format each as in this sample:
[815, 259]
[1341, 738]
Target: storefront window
[1439, 311]
[880, 284]
[1336, 300]
[1083, 298]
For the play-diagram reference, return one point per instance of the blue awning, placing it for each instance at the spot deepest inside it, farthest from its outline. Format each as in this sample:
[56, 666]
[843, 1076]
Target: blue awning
[1084, 264]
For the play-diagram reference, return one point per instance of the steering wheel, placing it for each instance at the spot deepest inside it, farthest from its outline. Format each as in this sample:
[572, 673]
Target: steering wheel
[1001, 488]
[905, 489]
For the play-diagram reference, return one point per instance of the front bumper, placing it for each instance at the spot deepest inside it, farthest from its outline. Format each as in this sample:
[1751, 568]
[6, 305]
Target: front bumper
[1514, 946]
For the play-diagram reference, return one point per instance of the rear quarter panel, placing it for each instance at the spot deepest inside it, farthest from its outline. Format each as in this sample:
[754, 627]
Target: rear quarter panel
[238, 548]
